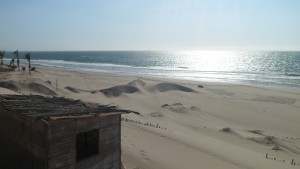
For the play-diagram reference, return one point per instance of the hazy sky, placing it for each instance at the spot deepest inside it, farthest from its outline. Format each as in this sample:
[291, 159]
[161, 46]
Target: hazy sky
[150, 24]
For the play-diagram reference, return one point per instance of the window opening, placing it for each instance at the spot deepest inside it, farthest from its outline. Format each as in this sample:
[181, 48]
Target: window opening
[87, 144]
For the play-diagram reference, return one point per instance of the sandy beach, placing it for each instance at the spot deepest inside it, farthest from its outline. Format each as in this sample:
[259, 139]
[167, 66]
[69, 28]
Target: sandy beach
[183, 124]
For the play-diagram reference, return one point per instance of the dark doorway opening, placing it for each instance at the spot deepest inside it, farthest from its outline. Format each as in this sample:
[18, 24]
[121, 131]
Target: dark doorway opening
[87, 144]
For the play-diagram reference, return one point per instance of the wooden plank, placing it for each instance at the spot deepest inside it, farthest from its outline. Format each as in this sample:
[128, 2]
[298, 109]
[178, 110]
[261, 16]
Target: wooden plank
[63, 146]
[58, 140]
[110, 163]
[72, 166]
[61, 129]
[110, 142]
[21, 142]
[60, 162]
[108, 122]
[61, 154]
[87, 124]
[91, 162]
[38, 133]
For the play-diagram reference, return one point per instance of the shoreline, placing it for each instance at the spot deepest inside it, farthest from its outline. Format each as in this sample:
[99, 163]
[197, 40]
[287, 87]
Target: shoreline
[277, 80]
[161, 78]
[294, 90]
[192, 80]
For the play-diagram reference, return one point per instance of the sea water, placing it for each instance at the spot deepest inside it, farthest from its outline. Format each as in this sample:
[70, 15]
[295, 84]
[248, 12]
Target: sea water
[267, 68]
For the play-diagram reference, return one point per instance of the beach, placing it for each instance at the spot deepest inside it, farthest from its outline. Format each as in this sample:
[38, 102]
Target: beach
[183, 123]
[193, 84]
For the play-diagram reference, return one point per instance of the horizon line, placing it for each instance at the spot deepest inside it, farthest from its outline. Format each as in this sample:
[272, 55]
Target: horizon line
[241, 50]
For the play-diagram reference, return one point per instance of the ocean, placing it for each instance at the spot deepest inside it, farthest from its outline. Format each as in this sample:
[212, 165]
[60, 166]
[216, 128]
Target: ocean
[258, 68]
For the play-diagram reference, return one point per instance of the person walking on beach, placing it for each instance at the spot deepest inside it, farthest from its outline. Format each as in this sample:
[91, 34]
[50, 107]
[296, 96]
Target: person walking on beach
[2, 56]
[17, 57]
[12, 63]
[27, 57]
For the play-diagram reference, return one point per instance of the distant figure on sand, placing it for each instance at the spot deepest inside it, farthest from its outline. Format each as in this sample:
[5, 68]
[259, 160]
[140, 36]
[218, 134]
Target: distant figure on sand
[12, 63]
[2, 56]
[32, 69]
[16, 53]
[27, 57]
[23, 68]
[18, 63]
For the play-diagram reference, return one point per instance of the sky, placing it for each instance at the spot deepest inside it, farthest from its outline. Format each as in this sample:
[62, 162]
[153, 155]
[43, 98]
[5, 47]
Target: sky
[74, 25]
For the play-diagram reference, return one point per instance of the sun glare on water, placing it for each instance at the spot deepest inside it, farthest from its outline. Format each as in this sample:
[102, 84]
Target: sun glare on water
[209, 60]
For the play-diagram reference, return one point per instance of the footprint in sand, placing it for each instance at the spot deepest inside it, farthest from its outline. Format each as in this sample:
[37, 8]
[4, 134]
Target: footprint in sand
[144, 155]
[176, 107]
[145, 159]
[273, 99]
[180, 108]
[156, 114]
[258, 132]
[165, 87]
[195, 108]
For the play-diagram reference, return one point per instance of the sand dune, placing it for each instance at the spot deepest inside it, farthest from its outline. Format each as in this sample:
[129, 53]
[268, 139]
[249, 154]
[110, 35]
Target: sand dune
[180, 108]
[9, 85]
[176, 107]
[164, 87]
[23, 86]
[118, 90]
[132, 87]
[5, 69]
[75, 90]
[72, 89]
[271, 142]
[39, 88]
[276, 144]
[137, 82]
[182, 125]
[7, 91]
[135, 86]
[156, 114]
